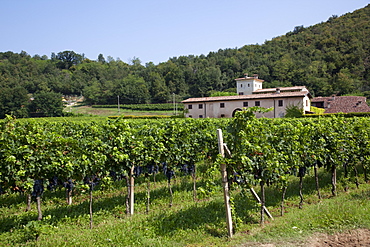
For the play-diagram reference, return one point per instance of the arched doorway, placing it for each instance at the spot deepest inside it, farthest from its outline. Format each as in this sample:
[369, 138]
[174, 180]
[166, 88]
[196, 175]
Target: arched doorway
[236, 110]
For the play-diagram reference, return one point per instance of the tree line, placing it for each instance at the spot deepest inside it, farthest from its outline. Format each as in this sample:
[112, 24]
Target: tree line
[329, 58]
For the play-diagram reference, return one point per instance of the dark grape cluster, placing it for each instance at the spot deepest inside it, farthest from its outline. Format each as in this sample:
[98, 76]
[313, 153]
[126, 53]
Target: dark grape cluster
[164, 167]
[302, 171]
[187, 169]
[38, 188]
[168, 171]
[138, 170]
[152, 169]
[191, 169]
[170, 174]
[115, 176]
[69, 185]
[92, 181]
[184, 169]
[53, 183]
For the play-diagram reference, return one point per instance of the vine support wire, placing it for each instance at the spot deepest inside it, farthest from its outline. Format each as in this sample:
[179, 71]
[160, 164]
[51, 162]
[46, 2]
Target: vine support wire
[225, 184]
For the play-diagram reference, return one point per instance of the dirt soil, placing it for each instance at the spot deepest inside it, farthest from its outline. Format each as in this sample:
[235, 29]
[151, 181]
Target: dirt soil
[359, 237]
[353, 238]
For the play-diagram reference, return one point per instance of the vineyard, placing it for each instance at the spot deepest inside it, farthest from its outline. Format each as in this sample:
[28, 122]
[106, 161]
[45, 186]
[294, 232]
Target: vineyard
[159, 157]
[144, 107]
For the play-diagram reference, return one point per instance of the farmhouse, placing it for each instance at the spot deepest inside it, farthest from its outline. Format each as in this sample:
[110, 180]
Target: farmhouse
[250, 93]
[344, 104]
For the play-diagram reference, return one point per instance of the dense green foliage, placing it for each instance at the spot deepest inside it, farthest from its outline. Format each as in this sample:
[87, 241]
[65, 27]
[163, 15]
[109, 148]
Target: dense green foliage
[264, 150]
[31, 149]
[76, 149]
[330, 57]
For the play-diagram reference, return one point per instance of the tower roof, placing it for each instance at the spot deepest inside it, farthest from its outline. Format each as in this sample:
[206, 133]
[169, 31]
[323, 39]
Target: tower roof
[255, 77]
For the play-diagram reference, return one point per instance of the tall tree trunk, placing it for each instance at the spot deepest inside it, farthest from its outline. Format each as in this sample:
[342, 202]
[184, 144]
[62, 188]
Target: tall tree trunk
[262, 203]
[300, 191]
[334, 180]
[317, 182]
[91, 210]
[283, 201]
[38, 200]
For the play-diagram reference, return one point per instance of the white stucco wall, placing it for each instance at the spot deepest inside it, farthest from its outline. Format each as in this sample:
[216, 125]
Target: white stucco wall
[214, 110]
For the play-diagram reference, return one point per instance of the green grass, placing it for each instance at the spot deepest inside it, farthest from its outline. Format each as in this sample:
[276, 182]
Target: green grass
[106, 112]
[186, 223]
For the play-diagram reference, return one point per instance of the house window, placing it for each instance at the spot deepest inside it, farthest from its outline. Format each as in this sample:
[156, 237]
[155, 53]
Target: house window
[222, 105]
[190, 116]
[280, 102]
[222, 115]
[245, 104]
[241, 93]
[257, 103]
[241, 85]
[249, 85]
[200, 116]
[306, 102]
[190, 107]
[200, 106]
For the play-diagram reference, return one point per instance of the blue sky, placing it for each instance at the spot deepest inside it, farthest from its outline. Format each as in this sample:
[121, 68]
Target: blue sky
[155, 30]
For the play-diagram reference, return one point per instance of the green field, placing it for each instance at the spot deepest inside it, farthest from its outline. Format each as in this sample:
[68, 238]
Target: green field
[106, 112]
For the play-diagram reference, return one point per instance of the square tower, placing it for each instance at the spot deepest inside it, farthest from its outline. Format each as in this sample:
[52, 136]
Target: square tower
[247, 85]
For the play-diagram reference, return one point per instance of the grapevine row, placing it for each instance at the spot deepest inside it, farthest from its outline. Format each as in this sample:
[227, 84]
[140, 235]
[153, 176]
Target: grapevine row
[263, 151]
[269, 151]
[34, 153]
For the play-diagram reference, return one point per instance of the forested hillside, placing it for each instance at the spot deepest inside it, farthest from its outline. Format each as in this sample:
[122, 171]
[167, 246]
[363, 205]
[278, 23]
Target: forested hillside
[330, 57]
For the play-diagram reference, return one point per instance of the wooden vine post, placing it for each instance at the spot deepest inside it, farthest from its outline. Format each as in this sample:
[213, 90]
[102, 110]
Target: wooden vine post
[225, 184]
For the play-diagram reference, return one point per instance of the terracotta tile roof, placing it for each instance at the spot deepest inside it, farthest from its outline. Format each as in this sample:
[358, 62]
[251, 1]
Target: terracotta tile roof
[249, 97]
[343, 104]
[282, 89]
[249, 78]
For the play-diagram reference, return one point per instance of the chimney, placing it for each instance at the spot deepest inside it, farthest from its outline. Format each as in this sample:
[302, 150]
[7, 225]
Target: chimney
[255, 76]
[328, 105]
[277, 90]
[246, 75]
